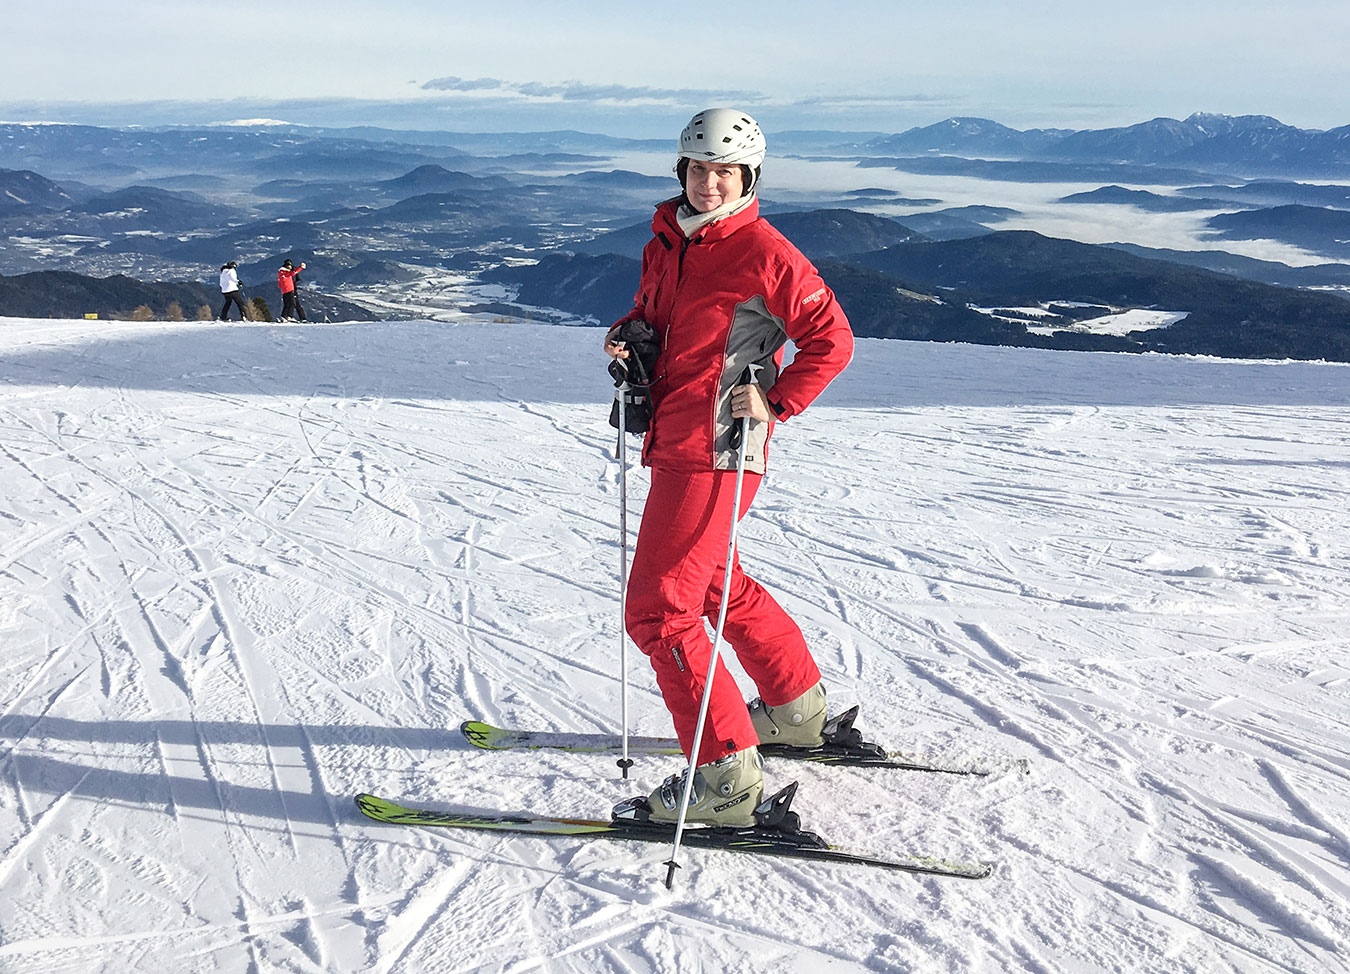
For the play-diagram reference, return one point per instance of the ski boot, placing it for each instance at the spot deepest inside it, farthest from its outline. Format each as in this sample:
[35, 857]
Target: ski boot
[797, 723]
[726, 792]
[771, 818]
[800, 727]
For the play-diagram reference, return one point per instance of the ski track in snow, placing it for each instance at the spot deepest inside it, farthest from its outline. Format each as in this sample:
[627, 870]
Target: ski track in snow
[249, 571]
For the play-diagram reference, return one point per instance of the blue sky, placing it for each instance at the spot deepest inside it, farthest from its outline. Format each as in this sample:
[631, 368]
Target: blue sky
[629, 68]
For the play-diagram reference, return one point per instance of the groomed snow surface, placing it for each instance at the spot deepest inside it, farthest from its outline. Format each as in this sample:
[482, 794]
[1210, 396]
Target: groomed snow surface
[247, 571]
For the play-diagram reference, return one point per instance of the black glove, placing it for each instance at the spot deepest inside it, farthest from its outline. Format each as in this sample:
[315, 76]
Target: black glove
[644, 348]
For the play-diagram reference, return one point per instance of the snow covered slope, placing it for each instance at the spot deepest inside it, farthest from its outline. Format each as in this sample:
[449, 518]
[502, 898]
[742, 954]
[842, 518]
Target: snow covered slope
[247, 571]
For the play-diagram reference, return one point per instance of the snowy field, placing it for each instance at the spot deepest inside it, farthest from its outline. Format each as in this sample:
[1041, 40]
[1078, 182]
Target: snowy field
[247, 571]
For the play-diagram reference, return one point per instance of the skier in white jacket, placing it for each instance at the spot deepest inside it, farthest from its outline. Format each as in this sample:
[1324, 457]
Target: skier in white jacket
[229, 286]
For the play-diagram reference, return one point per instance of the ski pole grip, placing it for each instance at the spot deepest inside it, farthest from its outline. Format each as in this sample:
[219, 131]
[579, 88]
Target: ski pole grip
[618, 368]
[748, 378]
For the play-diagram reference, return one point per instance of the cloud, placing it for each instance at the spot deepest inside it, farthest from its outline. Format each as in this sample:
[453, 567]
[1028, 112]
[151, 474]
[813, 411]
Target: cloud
[576, 91]
[829, 101]
[472, 93]
[461, 84]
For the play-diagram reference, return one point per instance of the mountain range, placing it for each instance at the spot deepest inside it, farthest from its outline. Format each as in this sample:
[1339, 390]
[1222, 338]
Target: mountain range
[1316, 228]
[554, 219]
[1153, 202]
[1246, 144]
[24, 190]
[954, 290]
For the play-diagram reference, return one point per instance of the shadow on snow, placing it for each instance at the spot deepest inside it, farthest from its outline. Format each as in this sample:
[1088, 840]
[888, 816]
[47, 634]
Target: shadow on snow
[66, 774]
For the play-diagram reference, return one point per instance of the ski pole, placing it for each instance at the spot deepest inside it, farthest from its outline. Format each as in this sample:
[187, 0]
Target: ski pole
[625, 762]
[747, 378]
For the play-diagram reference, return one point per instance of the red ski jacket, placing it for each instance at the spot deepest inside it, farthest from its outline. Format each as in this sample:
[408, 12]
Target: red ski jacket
[286, 279]
[727, 297]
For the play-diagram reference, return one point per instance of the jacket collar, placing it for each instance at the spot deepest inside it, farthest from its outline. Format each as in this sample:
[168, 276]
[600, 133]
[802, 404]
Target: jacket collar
[668, 218]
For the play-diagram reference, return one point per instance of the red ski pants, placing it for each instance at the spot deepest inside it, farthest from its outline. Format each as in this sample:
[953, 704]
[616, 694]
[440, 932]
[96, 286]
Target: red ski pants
[676, 583]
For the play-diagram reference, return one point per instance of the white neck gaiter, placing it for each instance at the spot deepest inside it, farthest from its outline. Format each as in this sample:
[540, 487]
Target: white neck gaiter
[691, 221]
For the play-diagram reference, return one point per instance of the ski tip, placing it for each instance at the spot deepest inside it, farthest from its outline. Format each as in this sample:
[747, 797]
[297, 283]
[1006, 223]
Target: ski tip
[370, 806]
[480, 734]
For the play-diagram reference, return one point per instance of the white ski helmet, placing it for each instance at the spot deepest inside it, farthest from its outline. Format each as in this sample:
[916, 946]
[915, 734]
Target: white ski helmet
[723, 135]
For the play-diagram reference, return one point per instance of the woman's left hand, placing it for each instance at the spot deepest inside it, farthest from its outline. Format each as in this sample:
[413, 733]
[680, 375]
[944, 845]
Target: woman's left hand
[613, 347]
[749, 401]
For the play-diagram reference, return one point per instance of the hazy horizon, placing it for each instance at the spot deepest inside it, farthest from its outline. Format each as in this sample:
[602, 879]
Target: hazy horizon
[338, 114]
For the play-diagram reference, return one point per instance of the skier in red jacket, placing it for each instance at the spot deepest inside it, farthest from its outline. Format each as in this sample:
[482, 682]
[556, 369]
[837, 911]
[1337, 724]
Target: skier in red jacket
[290, 298]
[722, 289]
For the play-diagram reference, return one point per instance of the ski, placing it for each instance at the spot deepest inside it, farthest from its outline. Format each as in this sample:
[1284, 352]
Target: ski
[838, 749]
[767, 842]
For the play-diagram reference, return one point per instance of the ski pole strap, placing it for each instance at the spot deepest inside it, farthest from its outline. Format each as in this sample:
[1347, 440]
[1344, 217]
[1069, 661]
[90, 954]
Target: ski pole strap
[629, 371]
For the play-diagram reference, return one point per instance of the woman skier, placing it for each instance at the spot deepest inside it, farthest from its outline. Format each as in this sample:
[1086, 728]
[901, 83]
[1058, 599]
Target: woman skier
[722, 290]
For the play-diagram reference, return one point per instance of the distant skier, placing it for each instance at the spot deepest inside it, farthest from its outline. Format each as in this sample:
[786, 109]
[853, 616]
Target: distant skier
[229, 286]
[287, 276]
[722, 290]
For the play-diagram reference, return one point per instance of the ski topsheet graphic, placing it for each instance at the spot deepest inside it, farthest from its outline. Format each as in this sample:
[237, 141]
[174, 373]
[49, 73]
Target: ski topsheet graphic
[767, 842]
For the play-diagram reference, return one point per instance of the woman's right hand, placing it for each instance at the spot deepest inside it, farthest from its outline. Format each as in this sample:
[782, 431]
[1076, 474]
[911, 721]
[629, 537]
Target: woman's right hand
[615, 348]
